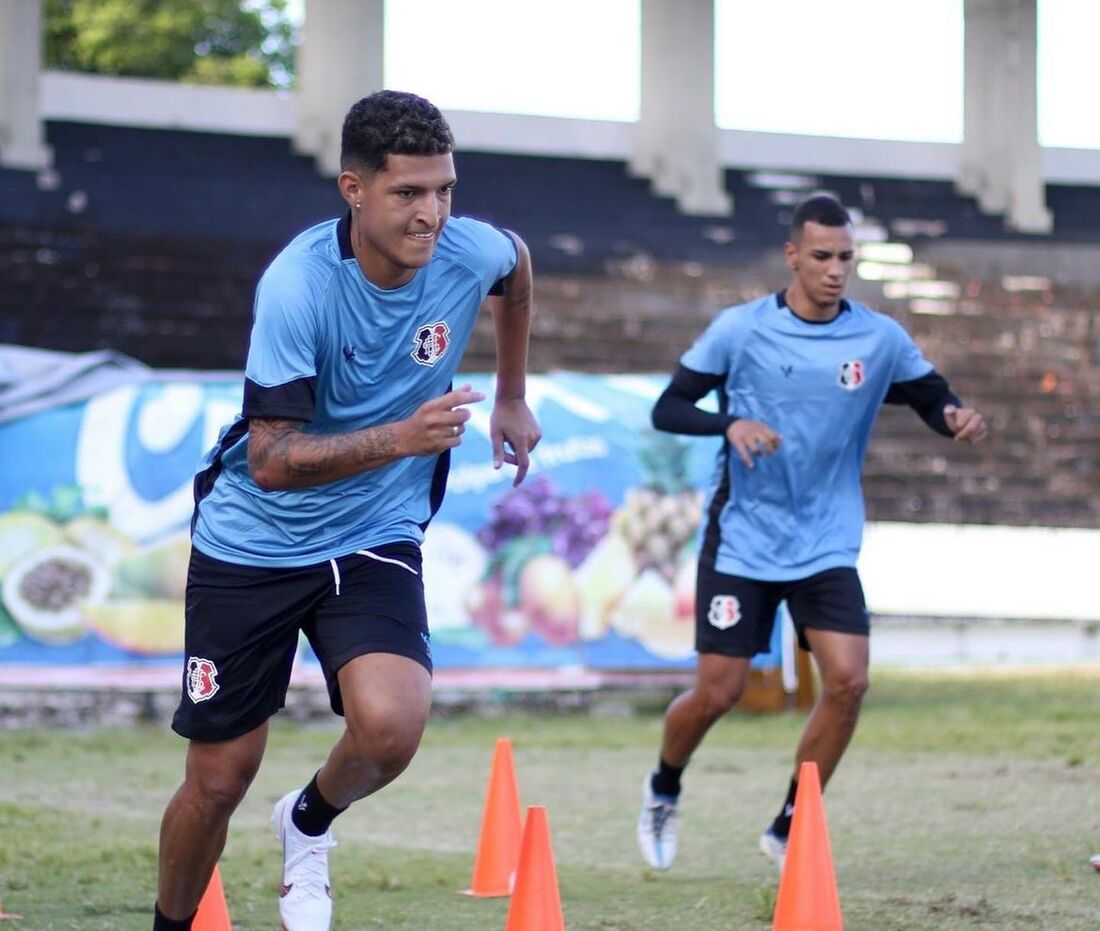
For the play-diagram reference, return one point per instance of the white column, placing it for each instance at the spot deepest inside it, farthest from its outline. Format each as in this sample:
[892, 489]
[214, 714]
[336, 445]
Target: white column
[1000, 160]
[677, 143]
[339, 62]
[22, 137]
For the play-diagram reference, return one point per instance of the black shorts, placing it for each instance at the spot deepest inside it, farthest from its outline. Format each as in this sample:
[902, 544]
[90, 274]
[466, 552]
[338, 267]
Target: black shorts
[734, 615]
[243, 624]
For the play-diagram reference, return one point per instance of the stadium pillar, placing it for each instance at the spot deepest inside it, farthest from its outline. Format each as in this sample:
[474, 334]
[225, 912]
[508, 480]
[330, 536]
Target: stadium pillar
[676, 142]
[340, 61]
[1000, 160]
[22, 137]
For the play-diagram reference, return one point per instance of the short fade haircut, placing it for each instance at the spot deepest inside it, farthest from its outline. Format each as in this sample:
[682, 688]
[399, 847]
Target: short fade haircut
[821, 208]
[392, 123]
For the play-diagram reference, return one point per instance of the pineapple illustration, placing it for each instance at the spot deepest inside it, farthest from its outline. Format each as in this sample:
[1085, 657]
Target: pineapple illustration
[658, 518]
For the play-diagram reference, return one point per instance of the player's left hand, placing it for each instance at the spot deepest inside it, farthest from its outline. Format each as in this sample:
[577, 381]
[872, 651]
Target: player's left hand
[512, 423]
[966, 423]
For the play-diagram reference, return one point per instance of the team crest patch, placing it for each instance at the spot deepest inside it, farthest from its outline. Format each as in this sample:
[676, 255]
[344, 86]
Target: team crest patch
[202, 679]
[430, 343]
[725, 611]
[851, 375]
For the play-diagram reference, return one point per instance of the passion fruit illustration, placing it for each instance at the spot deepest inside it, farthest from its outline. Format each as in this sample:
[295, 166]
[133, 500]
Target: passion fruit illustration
[146, 626]
[23, 532]
[44, 592]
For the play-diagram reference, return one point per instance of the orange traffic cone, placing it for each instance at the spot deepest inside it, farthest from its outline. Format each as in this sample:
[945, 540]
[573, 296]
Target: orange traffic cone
[807, 899]
[501, 829]
[536, 903]
[213, 913]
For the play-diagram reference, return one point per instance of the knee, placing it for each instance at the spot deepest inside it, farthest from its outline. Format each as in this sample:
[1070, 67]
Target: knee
[848, 689]
[715, 699]
[384, 744]
[218, 790]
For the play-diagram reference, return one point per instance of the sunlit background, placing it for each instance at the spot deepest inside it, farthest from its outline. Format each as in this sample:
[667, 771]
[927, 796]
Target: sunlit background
[580, 59]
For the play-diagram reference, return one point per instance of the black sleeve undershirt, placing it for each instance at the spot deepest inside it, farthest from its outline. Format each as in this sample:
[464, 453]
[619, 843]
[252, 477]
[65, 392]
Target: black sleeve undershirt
[675, 410]
[292, 401]
[497, 290]
[927, 395]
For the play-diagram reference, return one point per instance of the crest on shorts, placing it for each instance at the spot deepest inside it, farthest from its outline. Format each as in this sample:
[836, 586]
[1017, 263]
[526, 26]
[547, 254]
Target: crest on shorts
[725, 611]
[430, 343]
[851, 375]
[202, 679]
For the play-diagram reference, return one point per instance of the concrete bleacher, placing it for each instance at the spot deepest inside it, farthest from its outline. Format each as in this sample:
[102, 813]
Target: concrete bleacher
[150, 242]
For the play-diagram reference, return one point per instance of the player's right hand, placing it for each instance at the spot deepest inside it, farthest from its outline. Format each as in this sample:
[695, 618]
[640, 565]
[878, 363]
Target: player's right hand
[438, 424]
[752, 438]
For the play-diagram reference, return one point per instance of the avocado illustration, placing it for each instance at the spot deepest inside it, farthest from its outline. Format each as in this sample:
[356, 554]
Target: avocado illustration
[44, 592]
[97, 536]
[23, 532]
[147, 626]
[157, 571]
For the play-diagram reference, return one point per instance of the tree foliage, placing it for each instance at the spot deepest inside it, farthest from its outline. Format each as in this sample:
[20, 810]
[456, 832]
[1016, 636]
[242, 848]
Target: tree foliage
[202, 41]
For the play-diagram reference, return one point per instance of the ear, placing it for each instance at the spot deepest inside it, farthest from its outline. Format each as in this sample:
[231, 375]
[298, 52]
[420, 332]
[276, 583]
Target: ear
[790, 253]
[351, 188]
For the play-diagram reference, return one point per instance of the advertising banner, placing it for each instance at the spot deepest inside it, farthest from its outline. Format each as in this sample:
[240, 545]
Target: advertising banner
[590, 562]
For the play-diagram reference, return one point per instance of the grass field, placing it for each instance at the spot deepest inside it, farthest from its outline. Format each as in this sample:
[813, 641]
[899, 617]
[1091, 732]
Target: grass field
[964, 803]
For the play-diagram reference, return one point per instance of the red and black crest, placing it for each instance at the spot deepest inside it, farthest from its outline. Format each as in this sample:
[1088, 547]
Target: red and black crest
[431, 342]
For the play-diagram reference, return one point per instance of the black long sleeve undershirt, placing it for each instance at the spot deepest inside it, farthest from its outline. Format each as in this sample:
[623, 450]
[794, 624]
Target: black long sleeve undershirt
[676, 411]
[927, 395]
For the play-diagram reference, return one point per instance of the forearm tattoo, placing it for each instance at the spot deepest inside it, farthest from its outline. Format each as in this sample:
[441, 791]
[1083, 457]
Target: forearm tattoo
[307, 459]
[520, 302]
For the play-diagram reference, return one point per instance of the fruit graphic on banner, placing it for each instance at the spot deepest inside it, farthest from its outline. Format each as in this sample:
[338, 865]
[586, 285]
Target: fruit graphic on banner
[66, 572]
[589, 562]
[657, 524]
[660, 518]
[569, 568]
[535, 539]
[44, 592]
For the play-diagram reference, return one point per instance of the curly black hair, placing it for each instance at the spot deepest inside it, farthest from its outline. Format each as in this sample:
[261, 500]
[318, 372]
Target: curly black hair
[392, 123]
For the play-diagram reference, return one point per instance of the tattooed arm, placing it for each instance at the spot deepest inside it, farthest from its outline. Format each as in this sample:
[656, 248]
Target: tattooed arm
[281, 455]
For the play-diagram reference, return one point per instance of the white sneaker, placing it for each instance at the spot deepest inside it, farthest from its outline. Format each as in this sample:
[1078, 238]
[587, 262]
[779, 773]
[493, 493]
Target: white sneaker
[657, 827]
[305, 898]
[774, 848]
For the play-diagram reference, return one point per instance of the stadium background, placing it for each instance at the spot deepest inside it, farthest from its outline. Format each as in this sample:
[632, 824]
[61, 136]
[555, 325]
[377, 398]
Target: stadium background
[136, 215]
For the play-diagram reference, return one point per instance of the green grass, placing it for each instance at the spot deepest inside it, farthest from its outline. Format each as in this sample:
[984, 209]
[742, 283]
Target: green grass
[964, 803]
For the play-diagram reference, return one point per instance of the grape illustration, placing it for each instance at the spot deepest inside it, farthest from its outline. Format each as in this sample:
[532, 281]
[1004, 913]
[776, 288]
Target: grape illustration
[572, 525]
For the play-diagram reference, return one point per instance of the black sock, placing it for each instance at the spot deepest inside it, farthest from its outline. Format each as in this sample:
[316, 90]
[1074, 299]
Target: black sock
[312, 815]
[781, 826]
[666, 781]
[160, 923]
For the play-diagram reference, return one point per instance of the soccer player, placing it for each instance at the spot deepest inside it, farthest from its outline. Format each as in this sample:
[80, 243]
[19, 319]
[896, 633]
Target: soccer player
[311, 508]
[800, 376]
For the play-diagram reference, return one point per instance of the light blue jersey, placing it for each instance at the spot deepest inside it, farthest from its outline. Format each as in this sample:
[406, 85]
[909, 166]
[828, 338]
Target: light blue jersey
[820, 386]
[330, 348]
